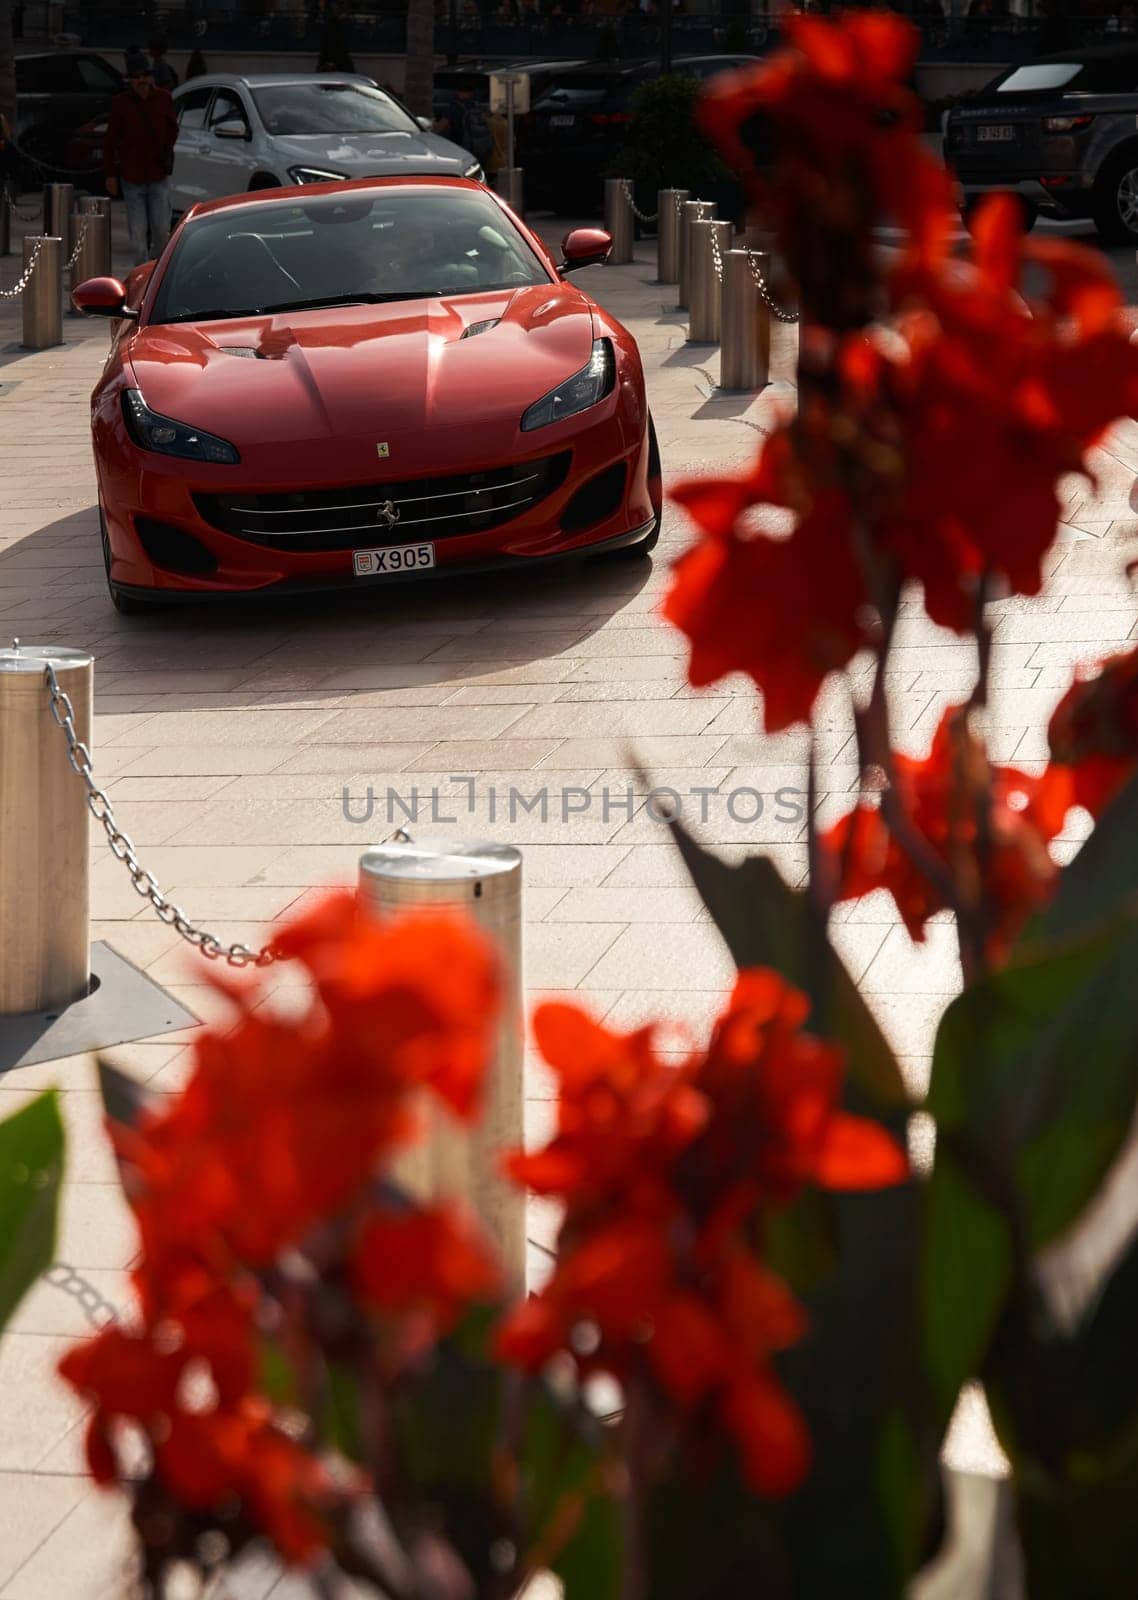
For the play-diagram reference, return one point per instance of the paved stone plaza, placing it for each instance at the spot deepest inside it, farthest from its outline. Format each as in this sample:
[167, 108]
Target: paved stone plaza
[229, 736]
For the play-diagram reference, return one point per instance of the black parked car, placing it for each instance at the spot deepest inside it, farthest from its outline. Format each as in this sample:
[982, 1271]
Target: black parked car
[1061, 132]
[62, 103]
[580, 123]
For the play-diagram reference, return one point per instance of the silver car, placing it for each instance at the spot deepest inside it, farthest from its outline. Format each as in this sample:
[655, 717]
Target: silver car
[267, 130]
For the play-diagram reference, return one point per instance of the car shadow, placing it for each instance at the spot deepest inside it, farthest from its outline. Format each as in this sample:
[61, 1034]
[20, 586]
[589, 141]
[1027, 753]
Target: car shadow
[515, 617]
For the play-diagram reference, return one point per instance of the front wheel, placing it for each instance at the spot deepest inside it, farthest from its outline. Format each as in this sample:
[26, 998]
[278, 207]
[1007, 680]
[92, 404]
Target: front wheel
[127, 605]
[1116, 202]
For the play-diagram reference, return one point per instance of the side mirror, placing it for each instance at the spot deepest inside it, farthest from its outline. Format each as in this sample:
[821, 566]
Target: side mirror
[425, 124]
[584, 247]
[101, 297]
[234, 128]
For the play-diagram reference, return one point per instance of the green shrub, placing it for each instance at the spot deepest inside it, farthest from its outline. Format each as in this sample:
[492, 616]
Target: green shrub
[665, 150]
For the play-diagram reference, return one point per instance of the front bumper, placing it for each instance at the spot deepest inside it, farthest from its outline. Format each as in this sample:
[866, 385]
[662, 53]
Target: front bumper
[139, 488]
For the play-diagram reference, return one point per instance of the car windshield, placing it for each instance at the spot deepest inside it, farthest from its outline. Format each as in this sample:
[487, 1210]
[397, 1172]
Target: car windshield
[399, 243]
[291, 109]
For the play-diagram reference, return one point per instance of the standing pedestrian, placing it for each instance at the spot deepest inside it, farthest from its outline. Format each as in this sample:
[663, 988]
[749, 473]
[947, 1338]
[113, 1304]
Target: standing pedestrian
[138, 156]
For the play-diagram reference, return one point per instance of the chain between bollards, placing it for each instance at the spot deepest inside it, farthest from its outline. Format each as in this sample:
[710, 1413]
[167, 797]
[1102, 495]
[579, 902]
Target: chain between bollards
[143, 882]
[25, 277]
[640, 216]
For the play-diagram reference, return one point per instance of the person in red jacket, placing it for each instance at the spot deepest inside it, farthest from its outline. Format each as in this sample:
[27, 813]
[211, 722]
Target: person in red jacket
[138, 156]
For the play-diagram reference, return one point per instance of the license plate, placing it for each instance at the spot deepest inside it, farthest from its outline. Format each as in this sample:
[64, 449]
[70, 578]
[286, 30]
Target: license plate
[995, 135]
[562, 122]
[402, 558]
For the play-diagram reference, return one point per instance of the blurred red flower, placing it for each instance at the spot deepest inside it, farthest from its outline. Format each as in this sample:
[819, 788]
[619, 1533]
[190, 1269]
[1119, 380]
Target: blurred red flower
[827, 136]
[1094, 735]
[666, 1173]
[786, 611]
[299, 1112]
[994, 402]
[428, 1263]
[989, 827]
[774, 1090]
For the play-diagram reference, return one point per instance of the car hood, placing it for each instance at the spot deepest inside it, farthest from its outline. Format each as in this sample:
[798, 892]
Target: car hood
[405, 370]
[368, 155]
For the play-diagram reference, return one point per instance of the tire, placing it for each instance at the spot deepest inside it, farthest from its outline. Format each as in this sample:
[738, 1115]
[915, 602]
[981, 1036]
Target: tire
[263, 180]
[127, 605]
[1115, 200]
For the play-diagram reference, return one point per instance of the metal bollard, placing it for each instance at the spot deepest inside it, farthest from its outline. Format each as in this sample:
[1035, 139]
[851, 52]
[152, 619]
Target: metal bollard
[101, 205]
[668, 204]
[486, 881]
[58, 203]
[5, 223]
[42, 296]
[510, 184]
[88, 263]
[618, 221]
[692, 211]
[700, 282]
[710, 243]
[745, 335]
[44, 897]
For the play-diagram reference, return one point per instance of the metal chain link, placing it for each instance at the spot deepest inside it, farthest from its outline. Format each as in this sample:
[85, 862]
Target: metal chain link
[98, 1310]
[46, 166]
[716, 255]
[25, 277]
[765, 295]
[21, 216]
[74, 256]
[143, 882]
[626, 189]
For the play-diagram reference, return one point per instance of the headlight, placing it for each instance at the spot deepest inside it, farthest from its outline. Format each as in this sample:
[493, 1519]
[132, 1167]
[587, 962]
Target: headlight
[578, 393]
[315, 175]
[170, 438]
[476, 173]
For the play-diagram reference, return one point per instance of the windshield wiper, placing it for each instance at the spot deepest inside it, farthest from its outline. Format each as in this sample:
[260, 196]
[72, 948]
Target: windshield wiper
[349, 300]
[226, 313]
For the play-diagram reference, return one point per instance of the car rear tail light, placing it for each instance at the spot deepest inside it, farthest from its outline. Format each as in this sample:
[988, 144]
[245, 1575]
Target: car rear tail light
[1067, 124]
[609, 119]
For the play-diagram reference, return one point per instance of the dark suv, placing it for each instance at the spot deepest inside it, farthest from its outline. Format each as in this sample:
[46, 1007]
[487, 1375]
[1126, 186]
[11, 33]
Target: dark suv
[1062, 133]
[582, 120]
[62, 102]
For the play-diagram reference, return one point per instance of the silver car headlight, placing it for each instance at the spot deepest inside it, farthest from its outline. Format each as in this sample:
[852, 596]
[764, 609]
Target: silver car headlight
[578, 393]
[476, 173]
[169, 438]
[315, 175]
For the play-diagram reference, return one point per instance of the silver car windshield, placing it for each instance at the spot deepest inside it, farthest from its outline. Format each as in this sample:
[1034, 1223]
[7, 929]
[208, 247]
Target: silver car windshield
[292, 109]
[404, 243]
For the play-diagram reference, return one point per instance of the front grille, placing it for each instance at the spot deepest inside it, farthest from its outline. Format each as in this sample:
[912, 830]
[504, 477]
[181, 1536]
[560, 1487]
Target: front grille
[386, 513]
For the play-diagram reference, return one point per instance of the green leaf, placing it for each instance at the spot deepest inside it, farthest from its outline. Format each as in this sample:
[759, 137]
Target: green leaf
[31, 1171]
[1066, 1408]
[966, 1267]
[590, 1565]
[1035, 1070]
[766, 923]
[1098, 885]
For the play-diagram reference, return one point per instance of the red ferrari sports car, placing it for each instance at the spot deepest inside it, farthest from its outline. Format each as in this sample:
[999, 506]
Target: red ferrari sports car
[360, 383]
